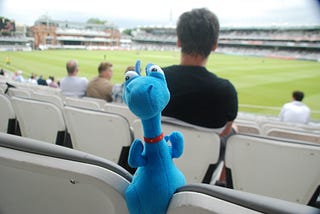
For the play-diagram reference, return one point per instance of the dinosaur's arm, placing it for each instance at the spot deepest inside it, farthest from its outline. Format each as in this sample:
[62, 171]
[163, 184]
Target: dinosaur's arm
[176, 139]
[136, 159]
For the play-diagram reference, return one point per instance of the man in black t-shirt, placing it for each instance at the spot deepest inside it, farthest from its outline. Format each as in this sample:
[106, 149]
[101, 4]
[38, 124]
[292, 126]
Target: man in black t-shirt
[198, 96]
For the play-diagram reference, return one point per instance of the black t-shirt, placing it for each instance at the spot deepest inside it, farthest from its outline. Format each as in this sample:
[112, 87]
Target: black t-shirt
[200, 97]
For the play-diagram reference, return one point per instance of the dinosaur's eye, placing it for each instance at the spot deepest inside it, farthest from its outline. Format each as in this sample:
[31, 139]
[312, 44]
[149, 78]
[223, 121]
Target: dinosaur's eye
[156, 68]
[130, 75]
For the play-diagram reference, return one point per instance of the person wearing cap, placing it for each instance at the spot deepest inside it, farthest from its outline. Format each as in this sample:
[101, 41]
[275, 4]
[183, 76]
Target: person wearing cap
[295, 111]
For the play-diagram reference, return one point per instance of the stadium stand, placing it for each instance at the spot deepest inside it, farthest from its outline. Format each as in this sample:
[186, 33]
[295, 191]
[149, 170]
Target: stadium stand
[282, 42]
[208, 199]
[284, 169]
[37, 177]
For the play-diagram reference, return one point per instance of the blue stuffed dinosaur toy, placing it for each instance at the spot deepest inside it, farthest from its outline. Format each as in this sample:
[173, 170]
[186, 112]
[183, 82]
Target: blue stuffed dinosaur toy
[157, 177]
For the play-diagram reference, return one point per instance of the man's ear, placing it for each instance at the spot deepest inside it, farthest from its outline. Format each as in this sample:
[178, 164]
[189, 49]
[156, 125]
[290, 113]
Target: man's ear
[178, 43]
[214, 47]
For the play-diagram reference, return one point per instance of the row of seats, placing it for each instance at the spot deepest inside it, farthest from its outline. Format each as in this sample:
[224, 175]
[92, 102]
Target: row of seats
[271, 126]
[198, 163]
[37, 177]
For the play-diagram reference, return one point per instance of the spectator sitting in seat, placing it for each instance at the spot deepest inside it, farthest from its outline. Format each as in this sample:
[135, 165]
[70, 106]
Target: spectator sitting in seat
[101, 87]
[295, 111]
[72, 85]
[198, 96]
[118, 88]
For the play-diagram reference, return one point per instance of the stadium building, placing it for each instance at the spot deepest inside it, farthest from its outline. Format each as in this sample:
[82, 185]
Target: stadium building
[288, 42]
[281, 42]
[14, 37]
[50, 33]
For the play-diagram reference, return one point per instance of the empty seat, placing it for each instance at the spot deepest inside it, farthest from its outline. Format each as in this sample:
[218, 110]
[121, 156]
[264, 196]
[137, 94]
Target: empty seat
[81, 103]
[8, 122]
[99, 133]
[209, 199]
[122, 110]
[245, 127]
[201, 149]
[294, 135]
[42, 178]
[19, 92]
[283, 169]
[40, 120]
[51, 98]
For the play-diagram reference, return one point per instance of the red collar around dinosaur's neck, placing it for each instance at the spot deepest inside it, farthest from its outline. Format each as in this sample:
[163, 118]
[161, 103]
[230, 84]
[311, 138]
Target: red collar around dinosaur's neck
[154, 139]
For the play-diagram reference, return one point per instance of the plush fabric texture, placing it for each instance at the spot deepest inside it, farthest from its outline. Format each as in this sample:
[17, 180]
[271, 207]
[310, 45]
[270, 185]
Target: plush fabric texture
[157, 177]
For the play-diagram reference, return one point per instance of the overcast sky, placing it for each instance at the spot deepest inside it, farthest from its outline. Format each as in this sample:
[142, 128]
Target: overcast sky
[131, 13]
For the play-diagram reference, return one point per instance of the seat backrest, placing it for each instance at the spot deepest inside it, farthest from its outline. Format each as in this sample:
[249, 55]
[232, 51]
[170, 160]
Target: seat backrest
[201, 149]
[43, 178]
[283, 169]
[294, 135]
[81, 103]
[122, 110]
[97, 132]
[38, 120]
[51, 98]
[247, 128]
[209, 199]
[101, 102]
[19, 92]
[309, 128]
[6, 113]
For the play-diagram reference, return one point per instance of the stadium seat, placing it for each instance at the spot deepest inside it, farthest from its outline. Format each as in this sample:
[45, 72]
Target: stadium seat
[122, 110]
[81, 103]
[201, 149]
[51, 98]
[101, 102]
[308, 128]
[247, 127]
[40, 120]
[38, 178]
[99, 133]
[8, 122]
[209, 199]
[19, 92]
[294, 135]
[283, 169]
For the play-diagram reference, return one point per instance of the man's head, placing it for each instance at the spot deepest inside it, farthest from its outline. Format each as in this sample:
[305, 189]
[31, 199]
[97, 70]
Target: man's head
[72, 67]
[105, 70]
[298, 95]
[198, 32]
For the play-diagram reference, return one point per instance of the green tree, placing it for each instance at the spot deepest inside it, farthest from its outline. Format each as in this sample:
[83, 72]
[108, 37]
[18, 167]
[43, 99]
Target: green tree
[96, 21]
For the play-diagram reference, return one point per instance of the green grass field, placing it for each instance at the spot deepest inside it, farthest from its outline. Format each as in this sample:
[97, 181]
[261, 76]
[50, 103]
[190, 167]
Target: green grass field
[263, 84]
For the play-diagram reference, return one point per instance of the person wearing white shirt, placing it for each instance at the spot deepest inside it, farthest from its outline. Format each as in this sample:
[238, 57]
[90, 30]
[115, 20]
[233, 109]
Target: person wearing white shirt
[295, 111]
[72, 85]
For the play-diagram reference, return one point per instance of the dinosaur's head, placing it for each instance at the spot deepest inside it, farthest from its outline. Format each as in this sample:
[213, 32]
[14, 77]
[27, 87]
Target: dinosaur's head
[146, 96]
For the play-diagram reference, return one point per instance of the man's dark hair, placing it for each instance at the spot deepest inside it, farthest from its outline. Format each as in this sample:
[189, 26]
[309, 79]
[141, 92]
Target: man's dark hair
[198, 31]
[298, 95]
